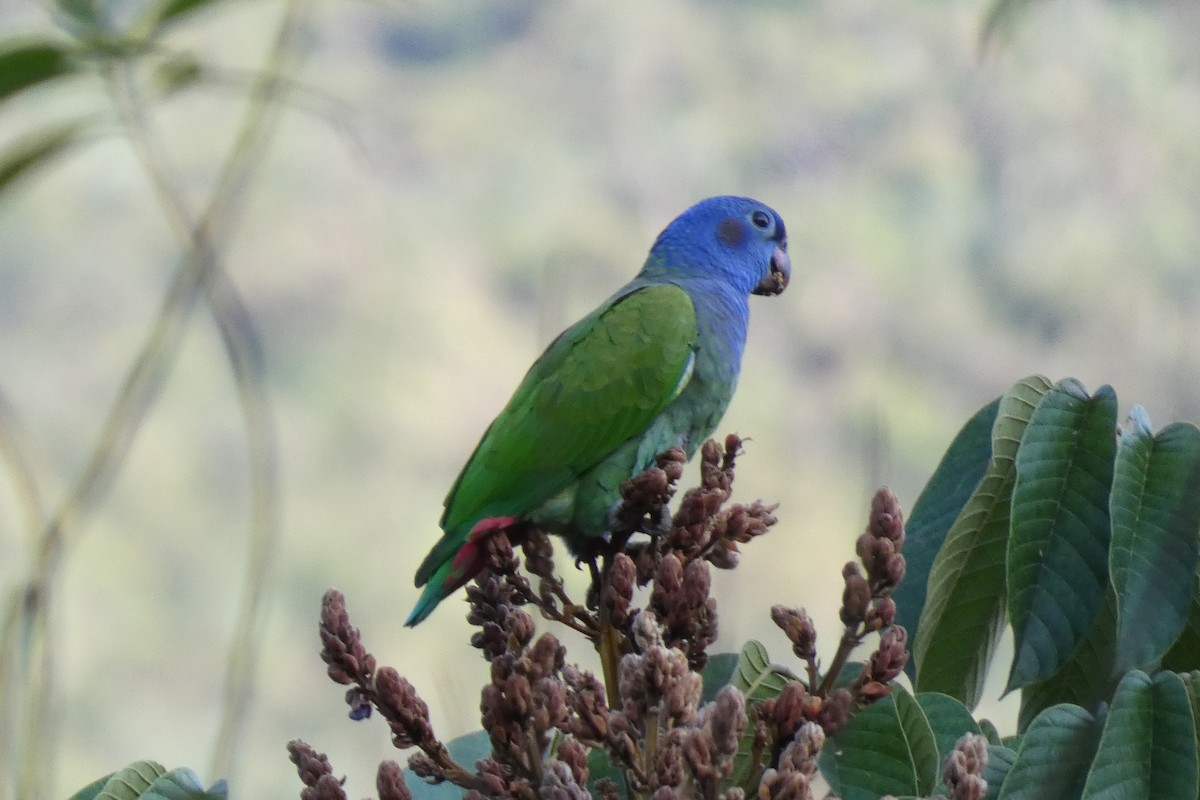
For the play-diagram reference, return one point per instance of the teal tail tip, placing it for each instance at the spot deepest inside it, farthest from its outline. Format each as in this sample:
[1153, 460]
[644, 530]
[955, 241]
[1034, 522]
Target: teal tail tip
[426, 604]
[422, 610]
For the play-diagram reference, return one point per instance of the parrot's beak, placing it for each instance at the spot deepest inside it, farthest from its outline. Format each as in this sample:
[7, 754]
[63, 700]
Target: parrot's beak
[777, 279]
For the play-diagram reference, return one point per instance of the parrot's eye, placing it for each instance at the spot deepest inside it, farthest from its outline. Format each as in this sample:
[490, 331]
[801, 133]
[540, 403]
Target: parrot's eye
[761, 220]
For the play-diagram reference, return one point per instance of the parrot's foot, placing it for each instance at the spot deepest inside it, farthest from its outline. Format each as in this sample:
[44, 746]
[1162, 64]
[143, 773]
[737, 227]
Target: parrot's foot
[661, 525]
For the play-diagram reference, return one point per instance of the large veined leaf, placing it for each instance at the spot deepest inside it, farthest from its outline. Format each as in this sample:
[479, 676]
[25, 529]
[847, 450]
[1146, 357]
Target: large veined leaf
[1191, 683]
[1184, 655]
[717, 673]
[1054, 756]
[887, 748]
[1000, 761]
[147, 780]
[758, 679]
[939, 504]
[1155, 550]
[1148, 748]
[1058, 544]
[961, 620]
[1087, 677]
[948, 719]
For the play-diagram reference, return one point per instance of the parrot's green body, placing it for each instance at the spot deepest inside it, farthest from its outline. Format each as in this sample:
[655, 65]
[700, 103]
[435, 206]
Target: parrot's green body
[652, 368]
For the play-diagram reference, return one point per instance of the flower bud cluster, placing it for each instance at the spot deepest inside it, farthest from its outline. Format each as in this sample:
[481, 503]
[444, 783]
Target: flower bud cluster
[347, 660]
[315, 773]
[543, 716]
[792, 778]
[702, 528]
[681, 602]
[963, 770]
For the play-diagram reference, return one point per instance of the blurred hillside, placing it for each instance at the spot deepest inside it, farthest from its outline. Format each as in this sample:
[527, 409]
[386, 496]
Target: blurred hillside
[457, 181]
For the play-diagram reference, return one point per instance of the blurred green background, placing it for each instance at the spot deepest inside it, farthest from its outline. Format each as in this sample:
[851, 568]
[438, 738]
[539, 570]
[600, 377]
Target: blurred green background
[453, 182]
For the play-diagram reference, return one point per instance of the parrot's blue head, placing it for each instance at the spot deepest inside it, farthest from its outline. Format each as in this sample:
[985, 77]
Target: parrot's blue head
[735, 239]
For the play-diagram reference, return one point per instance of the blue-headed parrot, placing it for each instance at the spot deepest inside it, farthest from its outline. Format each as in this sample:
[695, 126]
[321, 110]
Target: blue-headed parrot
[654, 367]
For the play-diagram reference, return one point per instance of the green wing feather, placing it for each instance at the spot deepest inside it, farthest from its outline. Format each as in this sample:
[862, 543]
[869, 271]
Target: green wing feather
[602, 382]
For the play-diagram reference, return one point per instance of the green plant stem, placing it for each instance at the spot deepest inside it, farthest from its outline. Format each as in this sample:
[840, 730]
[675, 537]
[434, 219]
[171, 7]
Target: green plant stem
[198, 275]
[850, 640]
[242, 347]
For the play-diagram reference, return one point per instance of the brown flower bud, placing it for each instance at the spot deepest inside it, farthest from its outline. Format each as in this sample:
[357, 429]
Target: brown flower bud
[873, 690]
[575, 756]
[668, 762]
[405, 711]
[724, 556]
[883, 613]
[728, 721]
[893, 571]
[698, 753]
[803, 751]
[539, 553]
[617, 593]
[310, 764]
[963, 770]
[558, 783]
[781, 785]
[835, 711]
[519, 626]
[327, 787]
[787, 709]
[856, 597]
[887, 519]
[341, 645]
[669, 577]
[389, 782]
[889, 659]
[798, 626]
[585, 702]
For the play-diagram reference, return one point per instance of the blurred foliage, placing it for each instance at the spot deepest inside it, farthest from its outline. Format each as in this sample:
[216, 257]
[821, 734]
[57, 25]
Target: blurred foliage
[463, 179]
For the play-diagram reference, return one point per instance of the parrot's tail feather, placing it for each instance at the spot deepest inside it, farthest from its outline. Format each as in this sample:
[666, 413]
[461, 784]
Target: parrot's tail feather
[468, 562]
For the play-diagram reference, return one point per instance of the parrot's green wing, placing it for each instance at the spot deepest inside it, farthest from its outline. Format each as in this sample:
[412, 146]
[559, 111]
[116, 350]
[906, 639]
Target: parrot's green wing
[600, 383]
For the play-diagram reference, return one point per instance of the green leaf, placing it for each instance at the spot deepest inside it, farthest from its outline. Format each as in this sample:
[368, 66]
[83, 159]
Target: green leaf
[941, 501]
[949, 720]
[147, 780]
[1000, 761]
[92, 790]
[1058, 545]
[164, 14]
[1086, 678]
[26, 64]
[183, 784]
[1054, 756]
[961, 620]
[987, 729]
[1000, 19]
[1184, 655]
[756, 677]
[466, 750]
[1155, 547]
[600, 767]
[717, 673]
[36, 150]
[887, 748]
[1191, 683]
[1148, 748]
[133, 781]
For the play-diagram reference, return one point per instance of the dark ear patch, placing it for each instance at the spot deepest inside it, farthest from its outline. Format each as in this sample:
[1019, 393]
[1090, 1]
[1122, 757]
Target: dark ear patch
[731, 232]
